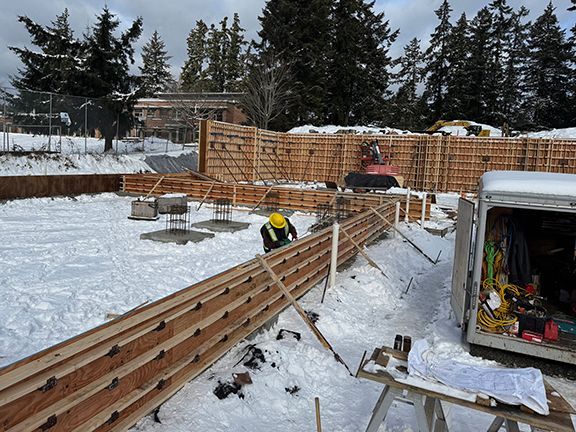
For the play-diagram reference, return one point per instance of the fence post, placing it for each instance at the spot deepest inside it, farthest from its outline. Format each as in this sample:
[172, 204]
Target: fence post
[397, 217]
[85, 125]
[50, 125]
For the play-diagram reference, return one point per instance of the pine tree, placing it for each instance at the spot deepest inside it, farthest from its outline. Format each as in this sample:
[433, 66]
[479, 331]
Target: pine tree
[107, 62]
[437, 66]
[360, 69]
[234, 57]
[457, 83]
[298, 33]
[217, 46]
[407, 104]
[155, 70]
[57, 65]
[501, 34]
[191, 77]
[479, 67]
[548, 80]
[514, 84]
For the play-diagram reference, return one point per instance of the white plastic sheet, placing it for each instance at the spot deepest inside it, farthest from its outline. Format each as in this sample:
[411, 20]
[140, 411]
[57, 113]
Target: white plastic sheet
[512, 386]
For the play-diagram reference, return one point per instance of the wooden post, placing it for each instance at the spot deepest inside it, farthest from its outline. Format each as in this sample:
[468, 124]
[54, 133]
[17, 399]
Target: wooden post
[364, 254]
[318, 421]
[206, 195]
[397, 217]
[300, 311]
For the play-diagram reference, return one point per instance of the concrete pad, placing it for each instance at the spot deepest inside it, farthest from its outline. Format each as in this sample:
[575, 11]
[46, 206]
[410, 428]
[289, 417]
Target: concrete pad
[221, 227]
[178, 237]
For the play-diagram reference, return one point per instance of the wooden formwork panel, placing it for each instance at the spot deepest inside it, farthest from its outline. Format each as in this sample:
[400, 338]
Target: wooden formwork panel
[428, 163]
[251, 195]
[109, 377]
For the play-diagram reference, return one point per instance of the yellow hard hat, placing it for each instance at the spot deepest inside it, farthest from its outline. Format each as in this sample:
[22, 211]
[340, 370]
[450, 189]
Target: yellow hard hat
[277, 220]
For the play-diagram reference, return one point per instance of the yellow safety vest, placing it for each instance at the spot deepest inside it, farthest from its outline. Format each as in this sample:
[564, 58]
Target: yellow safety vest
[272, 233]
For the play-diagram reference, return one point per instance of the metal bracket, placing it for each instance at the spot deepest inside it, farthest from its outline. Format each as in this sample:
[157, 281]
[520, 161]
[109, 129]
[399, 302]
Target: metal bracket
[115, 382]
[50, 384]
[161, 384]
[160, 355]
[50, 423]
[161, 326]
[114, 351]
[113, 417]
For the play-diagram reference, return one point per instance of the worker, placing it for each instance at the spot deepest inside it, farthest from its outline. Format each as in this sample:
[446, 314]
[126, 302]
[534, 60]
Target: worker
[275, 232]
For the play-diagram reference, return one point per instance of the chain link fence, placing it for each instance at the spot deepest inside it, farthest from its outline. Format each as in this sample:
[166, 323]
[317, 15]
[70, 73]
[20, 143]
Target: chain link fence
[49, 122]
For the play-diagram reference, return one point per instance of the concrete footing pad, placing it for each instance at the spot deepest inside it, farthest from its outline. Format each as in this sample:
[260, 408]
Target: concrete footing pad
[221, 226]
[178, 237]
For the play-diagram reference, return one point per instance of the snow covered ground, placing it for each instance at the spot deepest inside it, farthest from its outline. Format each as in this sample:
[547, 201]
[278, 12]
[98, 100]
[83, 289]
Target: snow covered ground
[554, 133]
[65, 263]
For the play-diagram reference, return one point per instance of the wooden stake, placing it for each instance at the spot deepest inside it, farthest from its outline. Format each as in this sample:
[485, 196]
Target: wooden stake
[155, 186]
[261, 199]
[318, 421]
[206, 196]
[364, 254]
[402, 234]
[301, 311]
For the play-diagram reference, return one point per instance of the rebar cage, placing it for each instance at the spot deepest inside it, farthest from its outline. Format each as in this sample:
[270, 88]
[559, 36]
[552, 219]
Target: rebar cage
[177, 219]
[222, 212]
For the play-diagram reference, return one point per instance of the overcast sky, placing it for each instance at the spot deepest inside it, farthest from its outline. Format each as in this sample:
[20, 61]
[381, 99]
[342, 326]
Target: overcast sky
[174, 18]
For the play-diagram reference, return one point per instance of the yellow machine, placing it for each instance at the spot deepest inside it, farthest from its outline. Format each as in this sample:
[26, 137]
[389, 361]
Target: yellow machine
[471, 129]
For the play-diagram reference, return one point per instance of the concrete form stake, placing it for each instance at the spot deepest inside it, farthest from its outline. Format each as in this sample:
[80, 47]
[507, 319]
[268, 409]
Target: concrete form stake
[334, 256]
[423, 210]
[318, 421]
[407, 213]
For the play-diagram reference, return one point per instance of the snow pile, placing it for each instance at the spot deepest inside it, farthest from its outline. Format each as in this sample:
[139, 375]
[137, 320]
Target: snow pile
[58, 164]
[567, 133]
[346, 130]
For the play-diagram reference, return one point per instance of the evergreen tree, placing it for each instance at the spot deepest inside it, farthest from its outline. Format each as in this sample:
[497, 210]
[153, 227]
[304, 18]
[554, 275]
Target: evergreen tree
[550, 72]
[155, 70]
[107, 61]
[480, 89]
[457, 101]
[360, 69]
[500, 43]
[514, 84]
[234, 57]
[407, 104]
[437, 66]
[191, 77]
[298, 33]
[217, 46]
[56, 66]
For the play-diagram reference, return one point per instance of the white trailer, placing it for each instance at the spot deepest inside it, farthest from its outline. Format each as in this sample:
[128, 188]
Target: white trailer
[540, 208]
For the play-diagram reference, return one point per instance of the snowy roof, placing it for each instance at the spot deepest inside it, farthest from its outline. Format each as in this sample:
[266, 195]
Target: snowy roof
[524, 182]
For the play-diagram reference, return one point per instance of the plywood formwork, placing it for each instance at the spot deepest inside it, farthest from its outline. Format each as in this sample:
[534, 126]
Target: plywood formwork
[111, 376]
[252, 195]
[428, 163]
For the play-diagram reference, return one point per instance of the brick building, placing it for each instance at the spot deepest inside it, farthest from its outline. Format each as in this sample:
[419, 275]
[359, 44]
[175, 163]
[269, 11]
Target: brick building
[175, 115]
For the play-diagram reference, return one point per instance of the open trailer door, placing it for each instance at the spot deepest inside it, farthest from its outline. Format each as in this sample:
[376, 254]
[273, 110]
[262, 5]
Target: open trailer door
[460, 272]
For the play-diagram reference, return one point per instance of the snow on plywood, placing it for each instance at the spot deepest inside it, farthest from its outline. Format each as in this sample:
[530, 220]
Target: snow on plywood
[525, 182]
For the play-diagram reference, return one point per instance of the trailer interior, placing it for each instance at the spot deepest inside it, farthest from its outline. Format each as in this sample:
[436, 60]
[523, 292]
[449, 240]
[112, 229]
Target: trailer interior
[528, 282]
